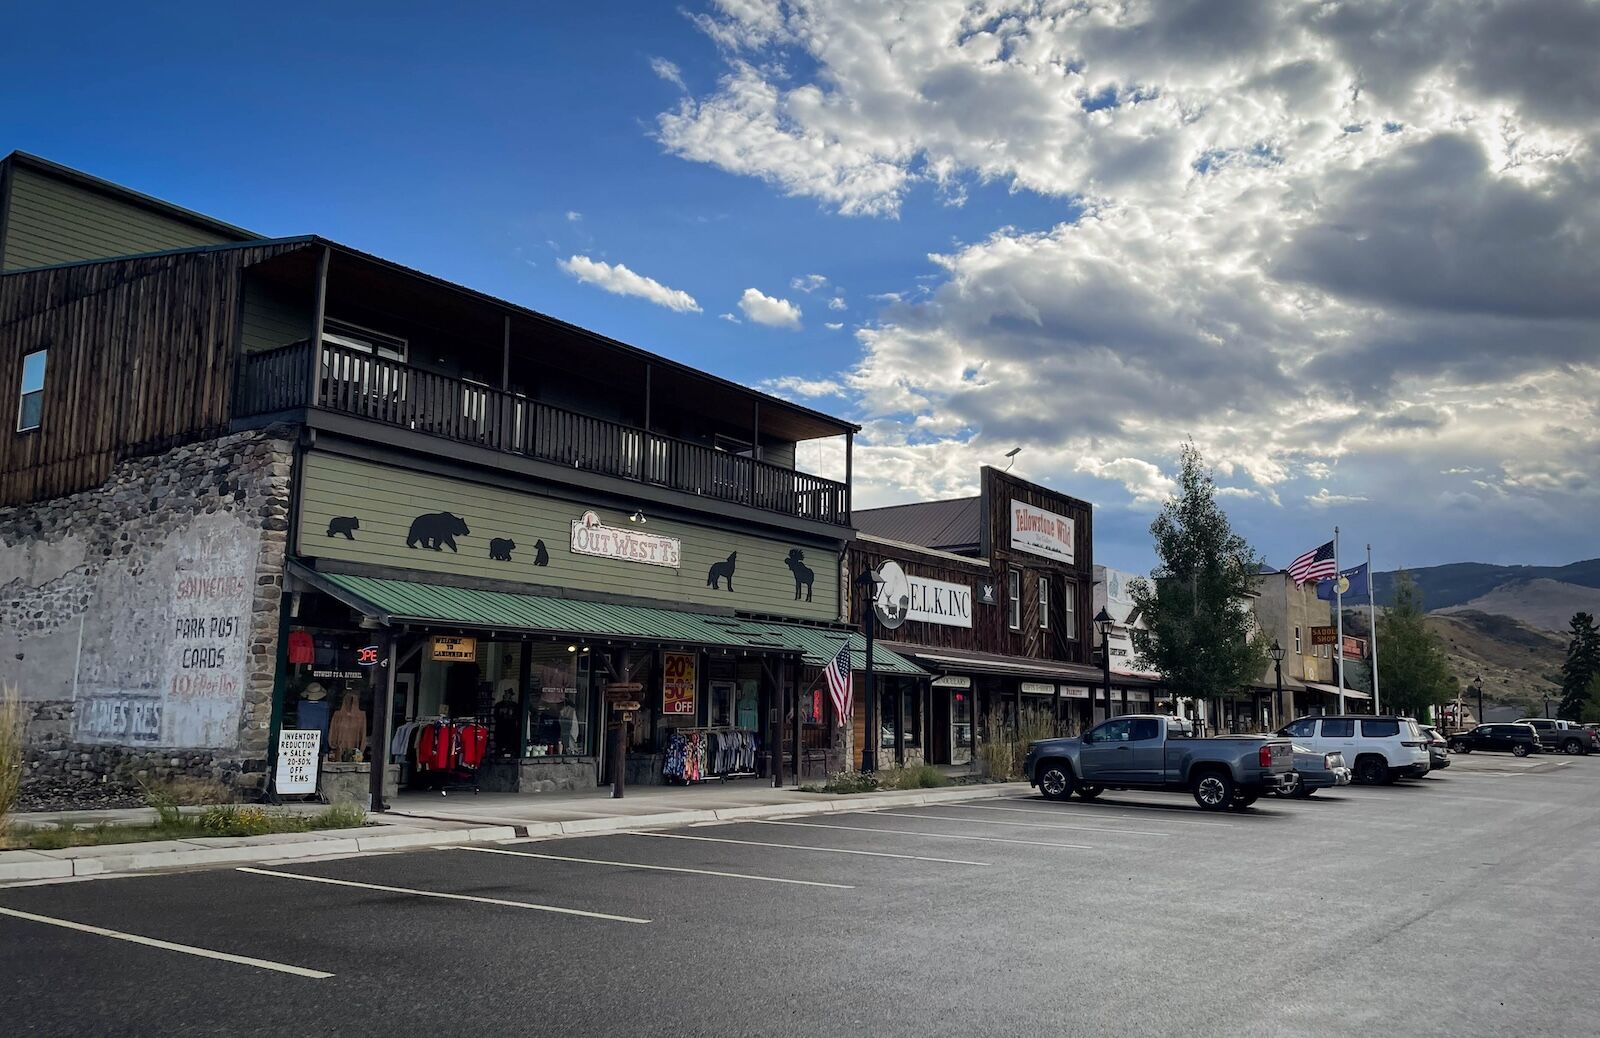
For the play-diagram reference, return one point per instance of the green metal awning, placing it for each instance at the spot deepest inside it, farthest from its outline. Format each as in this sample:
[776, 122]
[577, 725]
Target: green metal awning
[405, 601]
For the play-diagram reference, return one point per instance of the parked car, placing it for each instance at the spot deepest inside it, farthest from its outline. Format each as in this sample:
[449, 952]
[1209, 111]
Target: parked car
[1150, 751]
[1438, 746]
[1510, 737]
[1314, 771]
[1378, 749]
[1559, 735]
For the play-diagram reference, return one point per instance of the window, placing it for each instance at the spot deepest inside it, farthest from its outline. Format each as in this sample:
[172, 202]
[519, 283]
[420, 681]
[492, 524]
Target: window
[30, 409]
[1069, 610]
[1297, 650]
[1304, 728]
[888, 717]
[1146, 729]
[1014, 598]
[1044, 603]
[1338, 728]
[1120, 730]
[1380, 728]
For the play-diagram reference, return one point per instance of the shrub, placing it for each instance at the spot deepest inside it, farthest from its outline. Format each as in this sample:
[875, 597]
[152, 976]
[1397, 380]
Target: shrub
[339, 816]
[11, 750]
[912, 776]
[1005, 747]
[239, 820]
[846, 782]
[191, 791]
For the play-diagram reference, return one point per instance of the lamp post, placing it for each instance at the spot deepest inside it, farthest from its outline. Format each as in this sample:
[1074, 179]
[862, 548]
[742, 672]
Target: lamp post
[1276, 652]
[1477, 685]
[870, 583]
[1103, 621]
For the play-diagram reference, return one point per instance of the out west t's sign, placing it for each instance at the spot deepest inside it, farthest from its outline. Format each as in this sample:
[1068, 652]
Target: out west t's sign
[1040, 531]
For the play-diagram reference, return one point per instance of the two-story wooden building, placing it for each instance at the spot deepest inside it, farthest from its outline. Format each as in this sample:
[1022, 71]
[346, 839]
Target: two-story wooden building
[256, 484]
[997, 590]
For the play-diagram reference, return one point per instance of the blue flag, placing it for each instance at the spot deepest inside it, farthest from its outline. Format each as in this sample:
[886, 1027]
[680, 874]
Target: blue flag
[1358, 584]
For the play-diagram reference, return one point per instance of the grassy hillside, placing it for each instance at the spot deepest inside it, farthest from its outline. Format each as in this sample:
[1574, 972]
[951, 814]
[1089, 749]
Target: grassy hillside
[1519, 664]
[1459, 583]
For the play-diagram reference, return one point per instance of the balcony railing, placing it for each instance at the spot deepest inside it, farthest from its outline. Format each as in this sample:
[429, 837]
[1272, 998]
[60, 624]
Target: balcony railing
[380, 390]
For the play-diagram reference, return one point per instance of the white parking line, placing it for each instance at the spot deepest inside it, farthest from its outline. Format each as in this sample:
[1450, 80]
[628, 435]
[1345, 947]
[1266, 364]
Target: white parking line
[1142, 809]
[659, 868]
[447, 897]
[1022, 825]
[1131, 816]
[805, 847]
[186, 949]
[931, 836]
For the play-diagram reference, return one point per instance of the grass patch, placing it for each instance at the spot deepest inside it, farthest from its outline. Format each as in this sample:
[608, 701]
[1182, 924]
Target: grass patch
[10, 755]
[912, 776]
[219, 820]
[845, 782]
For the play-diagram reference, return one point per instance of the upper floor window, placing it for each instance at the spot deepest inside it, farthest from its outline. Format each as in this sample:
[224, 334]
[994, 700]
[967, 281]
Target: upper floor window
[1044, 603]
[30, 406]
[1069, 610]
[1297, 650]
[1014, 598]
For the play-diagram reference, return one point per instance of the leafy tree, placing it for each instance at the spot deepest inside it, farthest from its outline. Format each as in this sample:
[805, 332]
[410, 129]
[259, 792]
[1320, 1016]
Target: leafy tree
[1198, 630]
[1413, 672]
[1591, 706]
[1582, 666]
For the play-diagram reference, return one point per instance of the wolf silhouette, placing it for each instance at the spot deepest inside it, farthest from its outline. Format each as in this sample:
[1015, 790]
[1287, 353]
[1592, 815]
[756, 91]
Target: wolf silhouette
[722, 571]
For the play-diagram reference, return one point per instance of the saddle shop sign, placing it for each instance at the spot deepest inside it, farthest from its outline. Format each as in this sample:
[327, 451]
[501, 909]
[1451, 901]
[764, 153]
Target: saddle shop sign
[1039, 531]
[592, 537]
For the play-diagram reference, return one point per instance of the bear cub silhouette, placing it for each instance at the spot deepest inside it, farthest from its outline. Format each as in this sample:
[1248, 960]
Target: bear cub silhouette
[436, 529]
[500, 548]
[345, 524]
[541, 557]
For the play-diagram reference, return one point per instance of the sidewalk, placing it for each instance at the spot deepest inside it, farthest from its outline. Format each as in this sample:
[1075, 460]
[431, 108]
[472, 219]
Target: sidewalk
[418, 820]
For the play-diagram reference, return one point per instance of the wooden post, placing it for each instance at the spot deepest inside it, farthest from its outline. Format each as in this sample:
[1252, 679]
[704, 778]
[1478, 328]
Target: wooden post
[319, 312]
[849, 469]
[647, 369]
[900, 722]
[799, 772]
[382, 707]
[505, 357]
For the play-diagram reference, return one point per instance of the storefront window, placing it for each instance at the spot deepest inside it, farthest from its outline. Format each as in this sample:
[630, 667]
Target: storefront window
[331, 689]
[913, 712]
[558, 712]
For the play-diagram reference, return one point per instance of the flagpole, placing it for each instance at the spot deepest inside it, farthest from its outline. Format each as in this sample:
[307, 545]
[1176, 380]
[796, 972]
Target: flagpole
[1338, 612]
[1372, 618]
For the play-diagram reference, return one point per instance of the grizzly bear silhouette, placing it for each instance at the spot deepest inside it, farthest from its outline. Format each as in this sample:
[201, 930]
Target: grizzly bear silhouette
[345, 524]
[803, 577]
[722, 571]
[541, 557]
[500, 548]
[436, 529]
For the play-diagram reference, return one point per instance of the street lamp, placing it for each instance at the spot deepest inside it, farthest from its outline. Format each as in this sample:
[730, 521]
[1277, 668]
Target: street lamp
[1276, 652]
[870, 584]
[1477, 684]
[1103, 621]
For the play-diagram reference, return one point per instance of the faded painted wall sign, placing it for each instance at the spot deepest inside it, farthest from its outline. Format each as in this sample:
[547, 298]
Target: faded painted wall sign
[205, 658]
[126, 720]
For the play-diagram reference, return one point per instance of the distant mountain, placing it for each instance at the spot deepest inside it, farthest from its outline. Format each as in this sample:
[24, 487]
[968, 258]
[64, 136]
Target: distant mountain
[1534, 594]
[1519, 665]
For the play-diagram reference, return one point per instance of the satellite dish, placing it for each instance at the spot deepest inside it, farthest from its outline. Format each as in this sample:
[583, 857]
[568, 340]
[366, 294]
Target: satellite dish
[893, 603]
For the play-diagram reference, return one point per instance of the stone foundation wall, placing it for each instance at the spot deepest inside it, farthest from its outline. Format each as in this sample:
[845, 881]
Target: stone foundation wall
[139, 620]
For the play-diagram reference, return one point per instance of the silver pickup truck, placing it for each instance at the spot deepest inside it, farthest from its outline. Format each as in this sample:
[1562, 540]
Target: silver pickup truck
[1149, 751]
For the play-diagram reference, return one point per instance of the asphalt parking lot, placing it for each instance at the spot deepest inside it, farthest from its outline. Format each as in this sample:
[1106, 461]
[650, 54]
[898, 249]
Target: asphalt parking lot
[1462, 904]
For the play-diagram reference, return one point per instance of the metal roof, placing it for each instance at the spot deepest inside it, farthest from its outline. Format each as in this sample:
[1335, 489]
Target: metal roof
[957, 523]
[405, 601]
[966, 661]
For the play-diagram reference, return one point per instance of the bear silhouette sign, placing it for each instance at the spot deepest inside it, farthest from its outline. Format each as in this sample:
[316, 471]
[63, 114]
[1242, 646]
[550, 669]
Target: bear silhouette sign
[436, 530]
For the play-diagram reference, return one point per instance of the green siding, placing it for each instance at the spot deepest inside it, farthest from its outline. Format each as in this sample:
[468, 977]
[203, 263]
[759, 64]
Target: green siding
[52, 221]
[385, 500]
[273, 316]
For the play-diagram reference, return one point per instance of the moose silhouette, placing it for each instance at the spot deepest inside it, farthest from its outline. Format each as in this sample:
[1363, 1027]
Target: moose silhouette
[803, 577]
[435, 530]
[345, 524]
[722, 571]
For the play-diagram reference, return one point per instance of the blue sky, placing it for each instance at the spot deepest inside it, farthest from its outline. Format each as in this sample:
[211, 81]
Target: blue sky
[1332, 365]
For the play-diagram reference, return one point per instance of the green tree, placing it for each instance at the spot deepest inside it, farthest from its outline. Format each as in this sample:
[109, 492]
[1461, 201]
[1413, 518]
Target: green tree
[1198, 630]
[1413, 672]
[1581, 667]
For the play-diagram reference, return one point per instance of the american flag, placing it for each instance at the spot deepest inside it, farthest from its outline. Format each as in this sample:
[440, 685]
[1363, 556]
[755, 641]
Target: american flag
[1316, 564]
[839, 677]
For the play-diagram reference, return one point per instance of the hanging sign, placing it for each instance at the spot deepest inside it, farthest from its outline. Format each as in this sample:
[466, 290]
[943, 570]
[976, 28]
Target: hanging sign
[592, 537]
[1354, 648]
[952, 681]
[1041, 532]
[1324, 636]
[452, 649]
[1038, 688]
[296, 771]
[678, 684]
[893, 602]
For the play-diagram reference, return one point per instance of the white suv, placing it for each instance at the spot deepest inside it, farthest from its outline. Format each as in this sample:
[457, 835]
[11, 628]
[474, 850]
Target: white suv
[1378, 749]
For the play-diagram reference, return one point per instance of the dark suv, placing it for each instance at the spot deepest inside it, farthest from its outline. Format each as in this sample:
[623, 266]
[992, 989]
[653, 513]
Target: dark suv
[1518, 738]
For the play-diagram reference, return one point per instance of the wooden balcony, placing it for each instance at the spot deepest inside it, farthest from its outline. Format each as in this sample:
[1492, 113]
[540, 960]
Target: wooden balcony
[379, 390]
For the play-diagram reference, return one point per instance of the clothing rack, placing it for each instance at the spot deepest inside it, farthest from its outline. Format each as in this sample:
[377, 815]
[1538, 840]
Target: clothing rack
[710, 754]
[443, 754]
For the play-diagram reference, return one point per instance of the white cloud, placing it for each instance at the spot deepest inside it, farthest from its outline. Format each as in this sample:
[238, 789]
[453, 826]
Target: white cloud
[731, 318]
[1146, 483]
[668, 71]
[619, 280]
[1323, 499]
[833, 326]
[837, 303]
[765, 309]
[808, 283]
[573, 216]
[790, 385]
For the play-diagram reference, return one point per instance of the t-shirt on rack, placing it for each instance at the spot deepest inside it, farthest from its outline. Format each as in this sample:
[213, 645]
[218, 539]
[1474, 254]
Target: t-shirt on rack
[441, 752]
[704, 754]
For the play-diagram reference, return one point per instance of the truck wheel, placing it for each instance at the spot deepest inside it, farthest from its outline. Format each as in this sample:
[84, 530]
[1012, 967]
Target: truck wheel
[1460, 746]
[1213, 790]
[1304, 791]
[1572, 746]
[1372, 771]
[1242, 800]
[1055, 780]
[1519, 750]
[1090, 792]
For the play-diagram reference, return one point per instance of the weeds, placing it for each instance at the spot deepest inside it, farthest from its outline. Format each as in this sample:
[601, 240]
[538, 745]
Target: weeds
[1002, 752]
[912, 776]
[218, 820]
[11, 738]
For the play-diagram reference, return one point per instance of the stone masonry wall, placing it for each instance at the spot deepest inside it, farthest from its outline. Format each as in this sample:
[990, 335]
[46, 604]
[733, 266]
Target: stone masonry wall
[139, 620]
